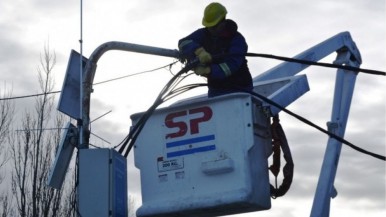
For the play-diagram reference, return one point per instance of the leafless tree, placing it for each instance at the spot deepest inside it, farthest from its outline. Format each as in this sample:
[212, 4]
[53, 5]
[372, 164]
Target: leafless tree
[31, 152]
[6, 118]
[33, 148]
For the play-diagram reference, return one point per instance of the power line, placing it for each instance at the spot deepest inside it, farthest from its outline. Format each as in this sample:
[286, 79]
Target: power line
[163, 96]
[101, 82]
[270, 56]
[138, 73]
[168, 92]
[304, 120]
[308, 62]
[27, 96]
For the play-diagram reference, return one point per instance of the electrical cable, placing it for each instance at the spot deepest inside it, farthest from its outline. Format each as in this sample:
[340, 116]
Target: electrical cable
[27, 96]
[134, 137]
[136, 129]
[338, 138]
[183, 89]
[191, 65]
[97, 83]
[138, 73]
[140, 124]
[269, 56]
[308, 62]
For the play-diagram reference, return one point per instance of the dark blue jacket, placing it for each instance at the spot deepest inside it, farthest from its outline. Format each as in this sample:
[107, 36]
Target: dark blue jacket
[229, 73]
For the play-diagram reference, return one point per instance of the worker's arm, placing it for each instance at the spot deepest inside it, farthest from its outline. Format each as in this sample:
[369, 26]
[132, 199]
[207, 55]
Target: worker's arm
[188, 45]
[232, 63]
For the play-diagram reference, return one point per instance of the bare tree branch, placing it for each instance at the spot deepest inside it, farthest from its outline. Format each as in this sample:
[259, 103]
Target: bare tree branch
[7, 108]
[33, 151]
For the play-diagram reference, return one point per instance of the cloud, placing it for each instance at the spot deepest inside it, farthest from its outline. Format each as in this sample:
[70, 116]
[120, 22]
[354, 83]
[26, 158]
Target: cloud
[282, 28]
[14, 70]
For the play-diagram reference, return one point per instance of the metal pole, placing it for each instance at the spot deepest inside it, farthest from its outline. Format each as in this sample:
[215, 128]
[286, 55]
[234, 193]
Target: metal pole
[79, 121]
[344, 88]
[90, 73]
[81, 73]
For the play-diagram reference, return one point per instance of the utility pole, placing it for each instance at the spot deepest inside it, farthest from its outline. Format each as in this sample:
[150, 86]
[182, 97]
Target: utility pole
[102, 189]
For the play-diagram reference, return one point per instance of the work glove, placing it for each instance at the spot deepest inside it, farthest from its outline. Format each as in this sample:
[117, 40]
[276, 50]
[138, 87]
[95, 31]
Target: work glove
[203, 56]
[202, 70]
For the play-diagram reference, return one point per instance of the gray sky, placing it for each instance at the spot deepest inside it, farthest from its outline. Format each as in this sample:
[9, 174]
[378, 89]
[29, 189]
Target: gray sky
[285, 27]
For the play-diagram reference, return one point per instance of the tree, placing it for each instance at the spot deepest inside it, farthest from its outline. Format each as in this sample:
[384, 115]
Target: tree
[6, 118]
[31, 152]
[33, 148]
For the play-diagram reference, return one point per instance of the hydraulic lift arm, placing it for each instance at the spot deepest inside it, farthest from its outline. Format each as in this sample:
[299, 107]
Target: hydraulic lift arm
[337, 43]
[348, 54]
[344, 89]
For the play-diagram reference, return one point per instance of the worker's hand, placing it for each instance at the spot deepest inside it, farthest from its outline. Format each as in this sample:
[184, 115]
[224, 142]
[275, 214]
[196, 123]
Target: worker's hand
[202, 70]
[203, 56]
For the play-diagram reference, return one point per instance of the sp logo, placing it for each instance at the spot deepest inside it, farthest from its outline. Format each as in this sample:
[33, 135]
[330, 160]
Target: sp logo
[181, 126]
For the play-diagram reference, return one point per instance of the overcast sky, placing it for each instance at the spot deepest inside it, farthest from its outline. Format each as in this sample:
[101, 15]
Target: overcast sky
[285, 27]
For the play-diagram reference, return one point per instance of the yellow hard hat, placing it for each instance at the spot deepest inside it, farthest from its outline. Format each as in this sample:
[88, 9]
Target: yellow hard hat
[213, 14]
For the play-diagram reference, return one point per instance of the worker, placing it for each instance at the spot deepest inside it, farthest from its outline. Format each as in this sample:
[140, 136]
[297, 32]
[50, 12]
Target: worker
[213, 46]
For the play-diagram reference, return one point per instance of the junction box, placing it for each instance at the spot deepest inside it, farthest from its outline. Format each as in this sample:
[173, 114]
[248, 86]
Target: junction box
[102, 183]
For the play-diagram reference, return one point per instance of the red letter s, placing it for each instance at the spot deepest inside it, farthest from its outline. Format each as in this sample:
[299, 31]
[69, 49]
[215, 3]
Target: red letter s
[183, 128]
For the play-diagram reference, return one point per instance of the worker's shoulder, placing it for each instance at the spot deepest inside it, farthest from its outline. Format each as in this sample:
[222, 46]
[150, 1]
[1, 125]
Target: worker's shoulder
[231, 25]
[232, 30]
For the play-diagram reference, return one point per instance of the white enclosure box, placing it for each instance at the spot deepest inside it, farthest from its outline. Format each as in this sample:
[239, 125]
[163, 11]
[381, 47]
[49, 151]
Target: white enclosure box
[102, 183]
[205, 157]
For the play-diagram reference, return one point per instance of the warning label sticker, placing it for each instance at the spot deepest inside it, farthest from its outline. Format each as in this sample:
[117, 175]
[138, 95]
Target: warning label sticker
[172, 164]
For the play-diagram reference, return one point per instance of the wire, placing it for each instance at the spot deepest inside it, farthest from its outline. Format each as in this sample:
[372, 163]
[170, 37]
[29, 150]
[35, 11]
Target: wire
[138, 73]
[132, 136]
[140, 124]
[308, 62]
[169, 92]
[270, 56]
[182, 90]
[164, 95]
[101, 82]
[134, 132]
[27, 96]
[160, 98]
[304, 120]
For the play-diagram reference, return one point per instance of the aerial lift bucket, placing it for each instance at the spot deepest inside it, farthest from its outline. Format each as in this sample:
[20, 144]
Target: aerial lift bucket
[208, 156]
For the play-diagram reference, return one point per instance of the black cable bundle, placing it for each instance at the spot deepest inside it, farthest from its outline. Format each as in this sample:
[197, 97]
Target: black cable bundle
[168, 92]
